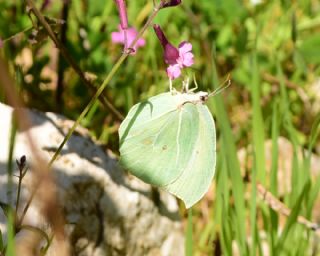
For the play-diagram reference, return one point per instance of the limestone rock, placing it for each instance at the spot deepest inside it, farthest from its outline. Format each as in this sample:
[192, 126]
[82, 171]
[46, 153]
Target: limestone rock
[107, 211]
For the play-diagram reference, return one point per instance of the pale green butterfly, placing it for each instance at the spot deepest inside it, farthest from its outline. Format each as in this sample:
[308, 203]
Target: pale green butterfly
[170, 141]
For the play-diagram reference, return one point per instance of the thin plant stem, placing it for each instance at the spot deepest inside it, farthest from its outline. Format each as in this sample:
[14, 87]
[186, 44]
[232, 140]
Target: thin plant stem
[40, 167]
[88, 107]
[17, 34]
[70, 60]
[37, 230]
[24, 212]
[104, 84]
[61, 61]
[19, 189]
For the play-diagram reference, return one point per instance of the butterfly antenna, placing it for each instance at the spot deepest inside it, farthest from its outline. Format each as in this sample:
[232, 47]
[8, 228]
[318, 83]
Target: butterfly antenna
[222, 87]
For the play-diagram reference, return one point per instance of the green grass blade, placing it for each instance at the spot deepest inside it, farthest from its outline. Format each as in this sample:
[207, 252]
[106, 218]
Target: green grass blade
[205, 236]
[258, 133]
[253, 211]
[257, 124]
[226, 233]
[292, 219]
[293, 137]
[275, 149]
[273, 217]
[222, 209]
[314, 134]
[189, 234]
[313, 195]
[233, 166]
[1, 242]
[10, 251]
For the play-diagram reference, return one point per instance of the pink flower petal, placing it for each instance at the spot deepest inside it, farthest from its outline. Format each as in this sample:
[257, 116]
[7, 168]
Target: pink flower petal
[141, 42]
[187, 59]
[131, 35]
[173, 71]
[118, 38]
[185, 47]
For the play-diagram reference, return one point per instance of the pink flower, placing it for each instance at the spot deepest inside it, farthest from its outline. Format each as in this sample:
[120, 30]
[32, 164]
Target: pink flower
[174, 71]
[119, 38]
[176, 58]
[185, 55]
[185, 59]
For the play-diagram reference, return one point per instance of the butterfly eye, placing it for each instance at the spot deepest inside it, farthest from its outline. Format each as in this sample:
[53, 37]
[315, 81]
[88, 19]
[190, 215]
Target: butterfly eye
[203, 98]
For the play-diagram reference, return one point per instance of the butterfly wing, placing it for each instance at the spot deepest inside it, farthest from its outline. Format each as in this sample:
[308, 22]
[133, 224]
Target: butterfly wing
[196, 178]
[157, 139]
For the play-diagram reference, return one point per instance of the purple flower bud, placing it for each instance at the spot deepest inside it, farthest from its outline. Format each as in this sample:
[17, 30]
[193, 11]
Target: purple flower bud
[121, 5]
[171, 53]
[171, 3]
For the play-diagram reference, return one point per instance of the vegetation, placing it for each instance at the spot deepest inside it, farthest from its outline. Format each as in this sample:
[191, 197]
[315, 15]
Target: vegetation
[270, 50]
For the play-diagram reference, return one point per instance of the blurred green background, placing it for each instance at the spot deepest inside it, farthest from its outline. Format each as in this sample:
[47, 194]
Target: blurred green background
[267, 120]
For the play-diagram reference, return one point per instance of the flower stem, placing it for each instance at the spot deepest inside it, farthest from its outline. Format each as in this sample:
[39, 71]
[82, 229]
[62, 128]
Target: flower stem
[105, 83]
[64, 52]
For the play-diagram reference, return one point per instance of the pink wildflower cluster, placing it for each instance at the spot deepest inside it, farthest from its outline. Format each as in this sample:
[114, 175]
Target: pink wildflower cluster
[177, 59]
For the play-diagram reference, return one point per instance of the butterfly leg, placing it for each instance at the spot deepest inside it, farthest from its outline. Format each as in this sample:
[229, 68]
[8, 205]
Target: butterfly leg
[185, 85]
[172, 90]
[196, 85]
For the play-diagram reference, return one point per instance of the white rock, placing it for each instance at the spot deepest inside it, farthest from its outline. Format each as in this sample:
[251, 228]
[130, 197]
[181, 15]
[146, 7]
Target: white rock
[107, 212]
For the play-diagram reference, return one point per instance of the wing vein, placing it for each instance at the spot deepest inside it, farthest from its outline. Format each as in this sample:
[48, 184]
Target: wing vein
[177, 137]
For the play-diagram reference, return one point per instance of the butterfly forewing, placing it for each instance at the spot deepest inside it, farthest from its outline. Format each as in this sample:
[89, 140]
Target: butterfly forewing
[158, 149]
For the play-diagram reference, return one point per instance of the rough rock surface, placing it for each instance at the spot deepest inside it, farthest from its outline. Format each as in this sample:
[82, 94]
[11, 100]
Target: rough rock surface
[107, 211]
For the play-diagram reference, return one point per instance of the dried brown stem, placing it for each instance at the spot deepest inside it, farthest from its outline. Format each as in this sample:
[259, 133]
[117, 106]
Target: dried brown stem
[69, 58]
[61, 63]
[275, 204]
[274, 80]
